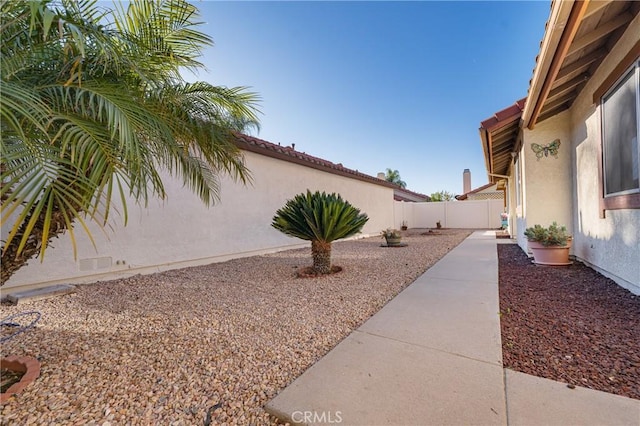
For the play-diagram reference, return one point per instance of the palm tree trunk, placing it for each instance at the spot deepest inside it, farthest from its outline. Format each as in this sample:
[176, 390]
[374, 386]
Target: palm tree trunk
[12, 261]
[321, 252]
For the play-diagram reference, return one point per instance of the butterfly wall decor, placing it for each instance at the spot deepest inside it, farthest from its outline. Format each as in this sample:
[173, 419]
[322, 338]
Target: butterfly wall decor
[551, 148]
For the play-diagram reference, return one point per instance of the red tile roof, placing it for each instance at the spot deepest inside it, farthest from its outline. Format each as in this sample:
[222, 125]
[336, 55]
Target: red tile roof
[498, 135]
[466, 194]
[287, 153]
[402, 194]
[504, 116]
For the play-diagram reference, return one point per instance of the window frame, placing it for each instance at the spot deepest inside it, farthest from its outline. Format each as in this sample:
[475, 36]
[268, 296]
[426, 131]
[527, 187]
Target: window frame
[631, 63]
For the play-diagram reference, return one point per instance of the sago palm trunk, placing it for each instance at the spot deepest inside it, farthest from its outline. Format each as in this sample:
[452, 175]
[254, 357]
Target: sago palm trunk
[12, 261]
[321, 252]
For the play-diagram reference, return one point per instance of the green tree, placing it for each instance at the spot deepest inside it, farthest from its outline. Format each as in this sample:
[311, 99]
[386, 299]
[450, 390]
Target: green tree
[442, 196]
[393, 176]
[321, 219]
[93, 107]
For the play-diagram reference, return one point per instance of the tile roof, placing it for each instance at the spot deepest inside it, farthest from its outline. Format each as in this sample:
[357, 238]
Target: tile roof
[482, 188]
[504, 116]
[288, 153]
[578, 36]
[498, 134]
[402, 194]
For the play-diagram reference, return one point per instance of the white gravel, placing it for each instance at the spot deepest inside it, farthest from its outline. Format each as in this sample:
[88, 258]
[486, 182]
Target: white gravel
[222, 339]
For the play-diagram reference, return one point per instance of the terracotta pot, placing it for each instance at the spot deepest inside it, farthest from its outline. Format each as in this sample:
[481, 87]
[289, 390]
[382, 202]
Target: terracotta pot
[22, 364]
[550, 255]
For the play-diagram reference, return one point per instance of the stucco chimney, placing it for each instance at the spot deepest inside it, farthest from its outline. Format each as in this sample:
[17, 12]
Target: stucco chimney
[466, 181]
[382, 176]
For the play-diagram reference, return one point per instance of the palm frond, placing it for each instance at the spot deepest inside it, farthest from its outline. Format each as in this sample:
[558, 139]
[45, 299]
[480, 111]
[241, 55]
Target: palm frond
[92, 106]
[320, 217]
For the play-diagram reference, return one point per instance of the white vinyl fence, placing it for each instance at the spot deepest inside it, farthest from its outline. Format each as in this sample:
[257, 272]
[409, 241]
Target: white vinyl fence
[470, 214]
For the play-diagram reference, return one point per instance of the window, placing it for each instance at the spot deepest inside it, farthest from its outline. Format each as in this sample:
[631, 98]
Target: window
[620, 130]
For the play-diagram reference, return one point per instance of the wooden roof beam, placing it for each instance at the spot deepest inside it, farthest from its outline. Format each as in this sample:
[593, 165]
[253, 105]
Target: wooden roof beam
[600, 32]
[580, 64]
[568, 34]
[567, 87]
[490, 144]
[595, 7]
[560, 100]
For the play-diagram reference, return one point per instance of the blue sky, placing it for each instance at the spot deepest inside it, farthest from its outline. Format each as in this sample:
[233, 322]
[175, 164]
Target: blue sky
[377, 85]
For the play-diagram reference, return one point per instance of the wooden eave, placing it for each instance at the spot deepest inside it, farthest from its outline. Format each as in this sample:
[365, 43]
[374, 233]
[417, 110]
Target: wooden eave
[578, 36]
[498, 135]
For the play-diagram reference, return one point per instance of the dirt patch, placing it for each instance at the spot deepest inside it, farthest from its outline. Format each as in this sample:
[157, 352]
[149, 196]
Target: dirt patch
[569, 324]
[309, 272]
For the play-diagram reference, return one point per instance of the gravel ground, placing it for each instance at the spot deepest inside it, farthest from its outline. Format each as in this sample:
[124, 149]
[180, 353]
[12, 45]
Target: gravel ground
[569, 324]
[206, 344]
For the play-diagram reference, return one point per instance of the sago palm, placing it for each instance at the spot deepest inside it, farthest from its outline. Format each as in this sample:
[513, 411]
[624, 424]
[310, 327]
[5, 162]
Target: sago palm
[320, 218]
[93, 107]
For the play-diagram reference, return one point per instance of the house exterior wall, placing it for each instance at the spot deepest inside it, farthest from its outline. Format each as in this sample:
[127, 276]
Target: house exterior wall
[514, 203]
[547, 182]
[610, 244]
[567, 190]
[181, 231]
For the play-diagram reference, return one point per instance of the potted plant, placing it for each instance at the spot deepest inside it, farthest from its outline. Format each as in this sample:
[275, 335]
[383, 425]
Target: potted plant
[504, 220]
[550, 245]
[392, 236]
[404, 225]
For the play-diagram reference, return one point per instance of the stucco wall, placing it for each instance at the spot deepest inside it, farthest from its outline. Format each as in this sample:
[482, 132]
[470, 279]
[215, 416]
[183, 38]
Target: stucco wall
[610, 244]
[547, 181]
[181, 231]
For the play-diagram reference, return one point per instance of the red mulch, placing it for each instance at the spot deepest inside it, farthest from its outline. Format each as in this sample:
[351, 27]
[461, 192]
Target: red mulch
[568, 323]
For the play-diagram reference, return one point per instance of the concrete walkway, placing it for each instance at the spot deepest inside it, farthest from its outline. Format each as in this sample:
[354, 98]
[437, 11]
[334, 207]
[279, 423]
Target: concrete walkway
[432, 356]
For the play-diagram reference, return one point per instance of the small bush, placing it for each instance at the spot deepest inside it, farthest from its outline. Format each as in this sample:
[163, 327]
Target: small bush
[554, 235]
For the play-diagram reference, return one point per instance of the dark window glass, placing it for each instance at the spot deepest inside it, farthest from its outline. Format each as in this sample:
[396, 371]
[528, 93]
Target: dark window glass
[620, 137]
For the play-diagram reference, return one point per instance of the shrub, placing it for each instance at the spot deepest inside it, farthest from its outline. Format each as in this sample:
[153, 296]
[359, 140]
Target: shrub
[320, 218]
[554, 235]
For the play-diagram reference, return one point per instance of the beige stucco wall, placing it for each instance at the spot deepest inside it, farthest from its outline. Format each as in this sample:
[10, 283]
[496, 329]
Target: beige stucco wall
[567, 189]
[514, 209]
[181, 231]
[547, 181]
[611, 244]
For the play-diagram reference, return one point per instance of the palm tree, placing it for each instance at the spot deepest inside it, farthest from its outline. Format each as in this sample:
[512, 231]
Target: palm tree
[321, 219]
[442, 196]
[93, 107]
[393, 176]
